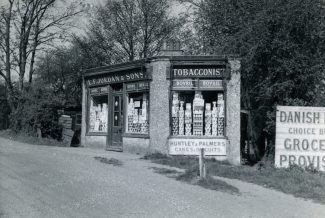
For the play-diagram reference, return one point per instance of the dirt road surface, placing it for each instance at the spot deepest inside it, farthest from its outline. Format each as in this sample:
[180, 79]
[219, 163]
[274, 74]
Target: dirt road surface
[43, 181]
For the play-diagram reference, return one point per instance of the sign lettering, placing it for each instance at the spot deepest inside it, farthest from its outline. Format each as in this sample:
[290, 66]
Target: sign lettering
[210, 84]
[137, 86]
[212, 147]
[184, 83]
[198, 73]
[99, 90]
[300, 137]
[117, 78]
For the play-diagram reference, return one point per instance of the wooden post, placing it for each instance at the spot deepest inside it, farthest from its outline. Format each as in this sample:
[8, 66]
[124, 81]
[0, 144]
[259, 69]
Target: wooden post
[202, 164]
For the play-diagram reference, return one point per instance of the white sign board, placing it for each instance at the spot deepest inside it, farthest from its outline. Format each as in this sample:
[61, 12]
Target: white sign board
[300, 137]
[190, 146]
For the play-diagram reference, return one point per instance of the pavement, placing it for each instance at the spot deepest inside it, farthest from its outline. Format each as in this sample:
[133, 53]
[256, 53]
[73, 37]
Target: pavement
[43, 181]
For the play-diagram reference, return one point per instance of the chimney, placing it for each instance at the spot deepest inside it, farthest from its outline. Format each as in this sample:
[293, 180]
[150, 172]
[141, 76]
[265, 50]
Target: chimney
[171, 48]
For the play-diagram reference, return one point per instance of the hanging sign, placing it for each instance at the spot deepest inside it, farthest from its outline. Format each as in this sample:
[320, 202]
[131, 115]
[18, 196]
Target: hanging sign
[117, 78]
[198, 72]
[300, 137]
[190, 146]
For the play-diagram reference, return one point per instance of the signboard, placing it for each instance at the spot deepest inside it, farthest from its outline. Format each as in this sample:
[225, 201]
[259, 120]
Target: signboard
[188, 146]
[198, 72]
[137, 86]
[198, 84]
[300, 137]
[211, 84]
[117, 78]
[99, 90]
[184, 84]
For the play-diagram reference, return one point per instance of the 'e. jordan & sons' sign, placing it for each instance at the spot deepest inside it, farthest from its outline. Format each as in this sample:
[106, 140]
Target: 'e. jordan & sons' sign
[300, 137]
[117, 78]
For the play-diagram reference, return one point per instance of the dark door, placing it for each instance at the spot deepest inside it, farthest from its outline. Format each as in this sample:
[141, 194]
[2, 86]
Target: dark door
[117, 122]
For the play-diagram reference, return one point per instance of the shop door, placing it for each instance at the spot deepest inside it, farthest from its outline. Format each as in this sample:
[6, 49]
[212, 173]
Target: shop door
[117, 122]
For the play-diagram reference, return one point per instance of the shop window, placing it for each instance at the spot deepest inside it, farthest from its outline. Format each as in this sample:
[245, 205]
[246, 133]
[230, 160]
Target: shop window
[197, 112]
[98, 111]
[137, 120]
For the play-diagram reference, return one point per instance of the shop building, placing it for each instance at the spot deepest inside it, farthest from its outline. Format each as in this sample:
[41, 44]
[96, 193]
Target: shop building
[171, 103]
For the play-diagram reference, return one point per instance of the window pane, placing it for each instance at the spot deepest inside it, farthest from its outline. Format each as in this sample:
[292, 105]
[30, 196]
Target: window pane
[98, 113]
[116, 103]
[197, 113]
[138, 113]
[116, 119]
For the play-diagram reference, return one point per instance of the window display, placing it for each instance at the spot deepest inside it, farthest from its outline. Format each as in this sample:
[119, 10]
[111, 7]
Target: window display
[137, 113]
[203, 114]
[98, 113]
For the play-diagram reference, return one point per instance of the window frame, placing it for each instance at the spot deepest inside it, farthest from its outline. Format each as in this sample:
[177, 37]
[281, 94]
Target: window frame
[196, 81]
[145, 89]
[89, 96]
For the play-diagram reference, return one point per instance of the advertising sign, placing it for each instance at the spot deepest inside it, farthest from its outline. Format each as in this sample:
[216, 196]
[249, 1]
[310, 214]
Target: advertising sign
[190, 146]
[198, 72]
[211, 84]
[183, 84]
[300, 137]
[117, 78]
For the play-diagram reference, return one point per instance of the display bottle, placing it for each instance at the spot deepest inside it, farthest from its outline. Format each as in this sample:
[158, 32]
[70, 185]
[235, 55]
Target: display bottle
[221, 115]
[175, 110]
[208, 119]
[214, 119]
[181, 119]
[188, 119]
[198, 106]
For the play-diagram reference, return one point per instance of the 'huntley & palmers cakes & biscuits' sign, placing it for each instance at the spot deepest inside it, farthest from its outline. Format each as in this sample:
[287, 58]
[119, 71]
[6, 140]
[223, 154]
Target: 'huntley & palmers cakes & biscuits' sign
[300, 137]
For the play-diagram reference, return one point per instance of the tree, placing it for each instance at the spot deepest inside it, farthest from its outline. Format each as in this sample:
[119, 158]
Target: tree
[26, 27]
[129, 29]
[60, 69]
[281, 44]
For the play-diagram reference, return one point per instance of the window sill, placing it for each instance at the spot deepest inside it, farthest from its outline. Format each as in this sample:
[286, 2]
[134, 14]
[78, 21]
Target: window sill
[135, 135]
[96, 134]
[195, 137]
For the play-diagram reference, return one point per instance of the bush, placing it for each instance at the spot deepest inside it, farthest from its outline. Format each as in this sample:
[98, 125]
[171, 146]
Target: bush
[37, 108]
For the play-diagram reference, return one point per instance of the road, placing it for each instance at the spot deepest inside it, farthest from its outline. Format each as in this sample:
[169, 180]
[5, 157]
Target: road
[43, 181]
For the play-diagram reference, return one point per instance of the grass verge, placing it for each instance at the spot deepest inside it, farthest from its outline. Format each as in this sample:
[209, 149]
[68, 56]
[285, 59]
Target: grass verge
[20, 137]
[190, 176]
[294, 180]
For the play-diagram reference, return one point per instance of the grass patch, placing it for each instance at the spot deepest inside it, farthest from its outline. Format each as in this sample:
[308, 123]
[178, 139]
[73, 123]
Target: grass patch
[24, 138]
[111, 161]
[191, 176]
[302, 183]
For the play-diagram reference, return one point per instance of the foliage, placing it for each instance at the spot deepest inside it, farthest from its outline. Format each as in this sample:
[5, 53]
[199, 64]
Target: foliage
[281, 45]
[127, 30]
[37, 108]
[25, 138]
[4, 107]
[60, 68]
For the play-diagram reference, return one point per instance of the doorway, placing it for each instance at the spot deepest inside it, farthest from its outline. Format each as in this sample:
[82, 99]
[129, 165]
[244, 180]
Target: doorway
[114, 141]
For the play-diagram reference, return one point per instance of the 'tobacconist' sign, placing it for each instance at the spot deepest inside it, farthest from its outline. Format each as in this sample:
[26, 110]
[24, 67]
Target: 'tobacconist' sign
[198, 72]
[300, 136]
[182, 146]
